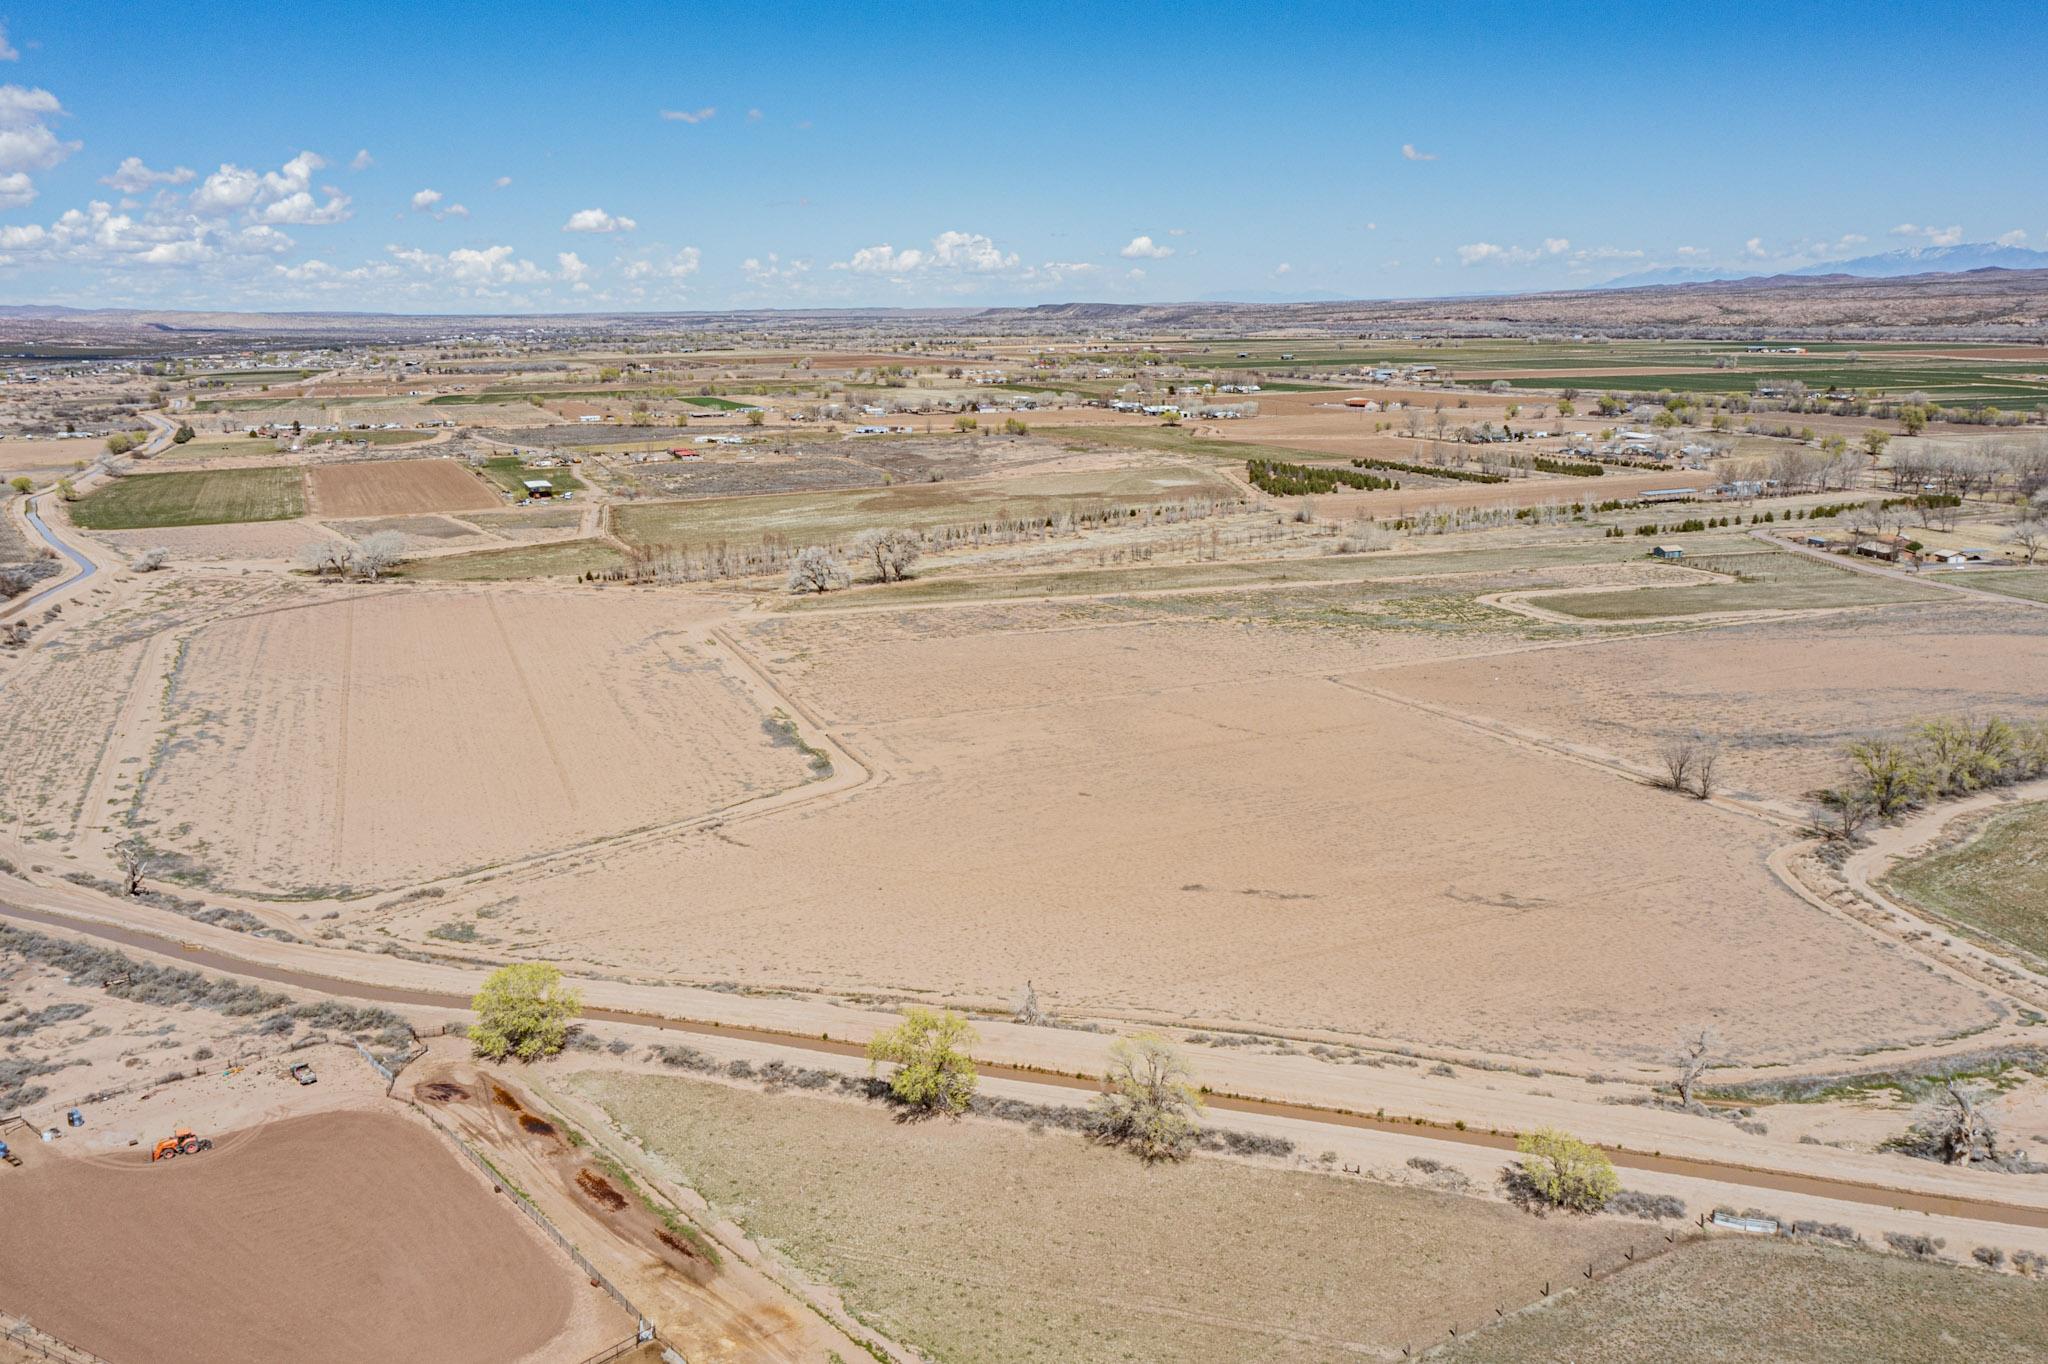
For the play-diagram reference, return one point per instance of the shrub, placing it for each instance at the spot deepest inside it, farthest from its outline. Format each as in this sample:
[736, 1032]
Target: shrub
[523, 1010]
[1919, 1247]
[933, 1070]
[1564, 1172]
[1632, 1203]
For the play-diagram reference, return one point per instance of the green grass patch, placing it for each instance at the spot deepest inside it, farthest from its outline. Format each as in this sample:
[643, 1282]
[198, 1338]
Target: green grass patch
[2028, 584]
[201, 497]
[510, 474]
[1767, 581]
[565, 559]
[1994, 880]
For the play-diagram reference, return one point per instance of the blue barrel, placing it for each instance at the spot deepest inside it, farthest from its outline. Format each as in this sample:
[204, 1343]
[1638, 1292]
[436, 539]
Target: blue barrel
[3, 1150]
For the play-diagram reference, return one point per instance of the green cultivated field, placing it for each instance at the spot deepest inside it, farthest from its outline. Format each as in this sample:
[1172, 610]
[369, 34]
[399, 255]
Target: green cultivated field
[204, 497]
[508, 473]
[1996, 880]
[1770, 582]
[1739, 1302]
[830, 518]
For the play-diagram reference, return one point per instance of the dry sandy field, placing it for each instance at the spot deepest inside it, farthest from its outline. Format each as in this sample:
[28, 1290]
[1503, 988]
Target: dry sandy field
[337, 1236]
[365, 739]
[396, 488]
[1781, 696]
[1210, 820]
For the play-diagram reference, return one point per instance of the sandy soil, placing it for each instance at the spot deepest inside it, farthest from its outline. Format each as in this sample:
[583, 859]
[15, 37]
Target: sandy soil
[262, 1249]
[1781, 696]
[368, 740]
[396, 487]
[258, 540]
[1180, 821]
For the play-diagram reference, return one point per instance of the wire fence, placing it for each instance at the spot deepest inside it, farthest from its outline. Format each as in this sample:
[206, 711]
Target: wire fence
[17, 1331]
[540, 1219]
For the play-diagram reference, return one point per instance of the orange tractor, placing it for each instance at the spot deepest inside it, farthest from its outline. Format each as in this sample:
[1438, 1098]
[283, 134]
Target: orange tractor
[183, 1142]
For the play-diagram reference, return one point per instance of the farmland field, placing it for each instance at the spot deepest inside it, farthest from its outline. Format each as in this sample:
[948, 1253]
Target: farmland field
[1730, 1302]
[396, 487]
[294, 742]
[510, 473]
[1995, 880]
[832, 517]
[1769, 581]
[1211, 1262]
[2028, 583]
[560, 559]
[1250, 833]
[200, 497]
[371, 437]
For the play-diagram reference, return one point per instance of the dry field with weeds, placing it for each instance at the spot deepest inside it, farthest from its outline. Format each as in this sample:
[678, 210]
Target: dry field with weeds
[371, 740]
[983, 1241]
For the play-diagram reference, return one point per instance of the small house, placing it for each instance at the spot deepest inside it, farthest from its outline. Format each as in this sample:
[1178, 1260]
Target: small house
[537, 487]
[1668, 552]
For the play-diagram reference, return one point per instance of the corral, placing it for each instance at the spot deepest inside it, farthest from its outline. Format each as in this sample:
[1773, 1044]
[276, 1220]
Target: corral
[263, 1248]
[369, 741]
[396, 488]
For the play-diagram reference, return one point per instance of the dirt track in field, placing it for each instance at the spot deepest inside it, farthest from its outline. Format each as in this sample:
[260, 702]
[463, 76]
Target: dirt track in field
[396, 487]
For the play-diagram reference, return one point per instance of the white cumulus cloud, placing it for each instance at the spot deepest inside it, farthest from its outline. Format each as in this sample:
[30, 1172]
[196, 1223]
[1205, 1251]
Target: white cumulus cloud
[280, 196]
[27, 141]
[134, 177]
[362, 160]
[1933, 236]
[8, 51]
[689, 115]
[1144, 248]
[1409, 153]
[597, 220]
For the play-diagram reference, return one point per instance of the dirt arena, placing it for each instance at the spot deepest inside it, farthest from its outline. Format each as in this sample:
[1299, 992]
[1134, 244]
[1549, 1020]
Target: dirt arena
[338, 1237]
[396, 487]
[367, 740]
[1212, 822]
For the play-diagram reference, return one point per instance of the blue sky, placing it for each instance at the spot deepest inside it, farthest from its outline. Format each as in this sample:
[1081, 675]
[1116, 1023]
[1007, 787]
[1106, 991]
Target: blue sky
[552, 157]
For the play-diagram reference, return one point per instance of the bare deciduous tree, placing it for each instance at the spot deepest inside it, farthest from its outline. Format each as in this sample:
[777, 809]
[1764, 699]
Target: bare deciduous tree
[1695, 1053]
[136, 863]
[376, 554]
[1028, 1012]
[892, 552]
[1706, 758]
[815, 570]
[324, 557]
[150, 560]
[1677, 756]
[2030, 534]
[1150, 1105]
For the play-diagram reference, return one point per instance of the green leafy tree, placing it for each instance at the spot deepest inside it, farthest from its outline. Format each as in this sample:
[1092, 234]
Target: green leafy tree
[182, 435]
[23, 485]
[523, 1010]
[1913, 418]
[1874, 442]
[929, 1050]
[1564, 1172]
[1566, 409]
[1150, 1105]
[1889, 775]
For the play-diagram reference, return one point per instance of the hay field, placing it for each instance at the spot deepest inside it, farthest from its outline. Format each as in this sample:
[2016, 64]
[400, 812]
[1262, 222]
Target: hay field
[1202, 820]
[1994, 879]
[396, 488]
[331, 1237]
[199, 497]
[1781, 696]
[1731, 1302]
[981, 1241]
[366, 740]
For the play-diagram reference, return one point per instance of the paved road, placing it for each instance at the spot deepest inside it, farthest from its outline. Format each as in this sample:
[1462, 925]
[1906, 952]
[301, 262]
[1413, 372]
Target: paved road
[162, 430]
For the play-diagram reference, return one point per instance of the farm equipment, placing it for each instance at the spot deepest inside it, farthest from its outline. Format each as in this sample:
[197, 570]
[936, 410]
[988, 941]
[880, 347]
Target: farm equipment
[303, 1073]
[183, 1142]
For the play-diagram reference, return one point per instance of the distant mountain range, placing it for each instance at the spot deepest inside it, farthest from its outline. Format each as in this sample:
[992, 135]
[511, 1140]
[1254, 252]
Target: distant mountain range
[1913, 260]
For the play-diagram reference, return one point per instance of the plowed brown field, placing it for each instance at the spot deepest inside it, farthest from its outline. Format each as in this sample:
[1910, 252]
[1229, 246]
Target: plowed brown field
[396, 487]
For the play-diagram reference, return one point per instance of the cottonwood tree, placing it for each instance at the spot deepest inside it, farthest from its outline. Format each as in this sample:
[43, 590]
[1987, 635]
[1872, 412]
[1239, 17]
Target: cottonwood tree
[1564, 1172]
[1695, 1054]
[1888, 774]
[136, 863]
[376, 555]
[1706, 759]
[1843, 813]
[150, 560]
[2030, 534]
[324, 557]
[1677, 757]
[815, 570]
[1028, 1012]
[933, 1070]
[1150, 1105]
[891, 551]
[1961, 1131]
[523, 1010]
